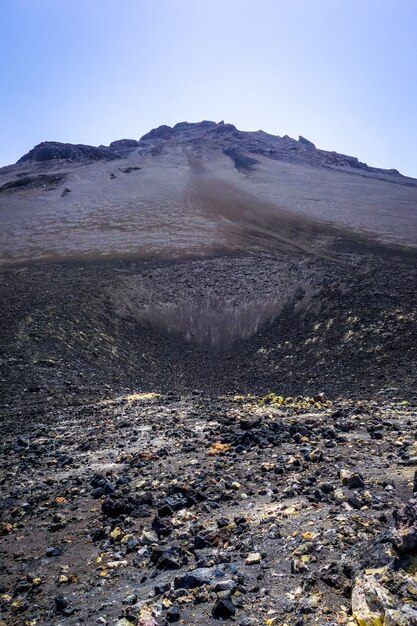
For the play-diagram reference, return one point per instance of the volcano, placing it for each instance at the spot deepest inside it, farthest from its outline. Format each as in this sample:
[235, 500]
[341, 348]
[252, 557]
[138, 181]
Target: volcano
[207, 353]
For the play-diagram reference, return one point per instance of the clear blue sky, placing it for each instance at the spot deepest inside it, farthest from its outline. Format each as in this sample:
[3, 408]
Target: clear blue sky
[343, 73]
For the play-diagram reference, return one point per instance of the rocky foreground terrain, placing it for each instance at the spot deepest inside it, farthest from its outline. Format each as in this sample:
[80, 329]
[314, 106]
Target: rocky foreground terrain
[156, 509]
[208, 384]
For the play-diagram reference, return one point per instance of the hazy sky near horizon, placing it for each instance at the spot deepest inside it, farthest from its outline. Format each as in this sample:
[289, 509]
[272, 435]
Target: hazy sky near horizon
[343, 74]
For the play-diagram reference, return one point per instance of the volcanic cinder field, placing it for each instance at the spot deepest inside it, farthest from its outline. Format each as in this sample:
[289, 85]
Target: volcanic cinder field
[207, 350]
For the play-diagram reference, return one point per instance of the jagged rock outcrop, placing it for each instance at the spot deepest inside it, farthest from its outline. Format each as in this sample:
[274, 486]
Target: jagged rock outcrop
[227, 137]
[162, 132]
[53, 150]
[123, 144]
[306, 142]
[405, 534]
[213, 136]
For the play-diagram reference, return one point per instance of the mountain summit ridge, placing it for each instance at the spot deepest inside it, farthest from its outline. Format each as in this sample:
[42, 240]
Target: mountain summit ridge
[193, 189]
[210, 135]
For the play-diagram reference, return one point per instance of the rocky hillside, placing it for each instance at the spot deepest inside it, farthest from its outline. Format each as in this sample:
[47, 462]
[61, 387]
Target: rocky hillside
[208, 135]
[208, 384]
[195, 190]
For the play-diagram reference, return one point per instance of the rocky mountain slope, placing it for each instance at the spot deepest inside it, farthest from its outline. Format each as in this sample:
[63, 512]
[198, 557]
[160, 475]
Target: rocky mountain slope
[208, 383]
[195, 189]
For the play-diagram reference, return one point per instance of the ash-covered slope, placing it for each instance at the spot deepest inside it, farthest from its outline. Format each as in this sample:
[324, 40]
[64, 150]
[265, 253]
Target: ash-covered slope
[195, 189]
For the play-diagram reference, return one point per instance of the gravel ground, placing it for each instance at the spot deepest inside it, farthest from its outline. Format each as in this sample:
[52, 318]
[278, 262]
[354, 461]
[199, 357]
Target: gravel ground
[196, 507]
[145, 477]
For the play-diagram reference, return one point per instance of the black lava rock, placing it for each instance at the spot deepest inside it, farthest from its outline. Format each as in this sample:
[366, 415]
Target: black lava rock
[173, 614]
[224, 606]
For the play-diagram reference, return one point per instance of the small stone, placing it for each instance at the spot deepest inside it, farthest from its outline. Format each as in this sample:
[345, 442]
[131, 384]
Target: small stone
[60, 603]
[116, 564]
[224, 607]
[162, 527]
[268, 467]
[222, 522]
[352, 480]
[304, 548]
[201, 595]
[130, 599]
[253, 558]
[161, 588]
[173, 614]
[339, 495]
[116, 505]
[250, 423]
[316, 455]
[146, 619]
[123, 622]
[405, 533]
[165, 511]
[130, 543]
[370, 600]
[225, 585]
[197, 578]
[116, 534]
[273, 531]
[326, 488]
[19, 605]
[148, 537]
[344, 477]
[356, 481]
[22, 442]
[298, 566]
[309, 604]
[171, 557]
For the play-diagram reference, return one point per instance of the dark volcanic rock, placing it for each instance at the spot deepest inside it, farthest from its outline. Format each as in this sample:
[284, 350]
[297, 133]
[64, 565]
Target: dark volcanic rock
[116, 505]
[197, 578]
[122, 144]
[185, 126]
[223, 128]
[241, 161]
[44, 181]
[162, 132]
[405, 533]
[173, 614]
[52, 150]
[224, 607]
[172, 557]
[306, 142]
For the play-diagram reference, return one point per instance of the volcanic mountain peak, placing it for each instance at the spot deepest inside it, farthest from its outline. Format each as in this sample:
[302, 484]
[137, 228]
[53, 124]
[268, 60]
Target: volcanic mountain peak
[202, 137]
[194, 189]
